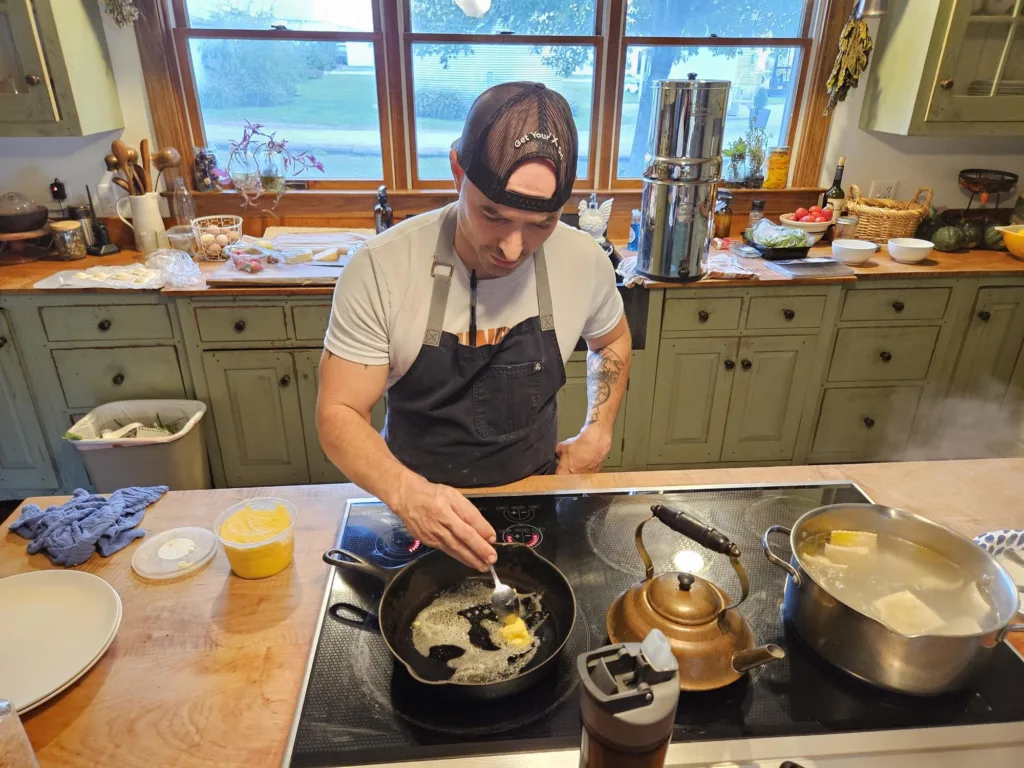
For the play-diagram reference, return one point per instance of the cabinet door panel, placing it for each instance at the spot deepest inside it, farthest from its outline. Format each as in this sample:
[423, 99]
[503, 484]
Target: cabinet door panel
[25, 94]
[865, 424]
[993, 342]
[255, 403]
[767, 398]
[572, 411]
[321, 468]
[24, 460]
[691, 399]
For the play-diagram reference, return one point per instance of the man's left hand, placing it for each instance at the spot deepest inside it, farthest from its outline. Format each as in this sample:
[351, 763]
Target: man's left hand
[584, 453]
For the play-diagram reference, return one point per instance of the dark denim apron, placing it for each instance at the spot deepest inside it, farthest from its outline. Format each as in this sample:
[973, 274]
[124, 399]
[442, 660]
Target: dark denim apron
[478, 416]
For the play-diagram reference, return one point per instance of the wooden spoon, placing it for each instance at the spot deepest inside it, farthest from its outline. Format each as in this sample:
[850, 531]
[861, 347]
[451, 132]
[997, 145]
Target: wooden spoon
[140, 178]
[111, 162]
[144, 155]
[122, 184]
[120, 151]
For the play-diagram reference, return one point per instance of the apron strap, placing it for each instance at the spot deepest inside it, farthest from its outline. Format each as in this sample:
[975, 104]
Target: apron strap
[441, 271]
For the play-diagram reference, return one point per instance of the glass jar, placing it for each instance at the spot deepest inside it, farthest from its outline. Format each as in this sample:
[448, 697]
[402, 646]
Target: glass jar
[69, 240]
[778, 169]
[723, 213]
[846, 228]
[756, 213]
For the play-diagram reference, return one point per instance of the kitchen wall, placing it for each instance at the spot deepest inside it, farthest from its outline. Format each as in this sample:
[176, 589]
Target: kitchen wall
[29, 165]
[914, 161]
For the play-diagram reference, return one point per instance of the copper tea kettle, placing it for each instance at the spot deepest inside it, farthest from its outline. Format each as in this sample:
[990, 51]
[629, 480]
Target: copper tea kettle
[709, 637]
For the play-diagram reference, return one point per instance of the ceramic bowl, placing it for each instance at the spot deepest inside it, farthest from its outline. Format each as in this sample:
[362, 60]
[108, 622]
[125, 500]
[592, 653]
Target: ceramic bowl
[909, 250]
[1013, 237]
[815, 227]
[853, 251]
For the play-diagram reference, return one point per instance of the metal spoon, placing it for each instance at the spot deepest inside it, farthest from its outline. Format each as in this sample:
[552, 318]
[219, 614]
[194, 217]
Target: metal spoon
[504, 600]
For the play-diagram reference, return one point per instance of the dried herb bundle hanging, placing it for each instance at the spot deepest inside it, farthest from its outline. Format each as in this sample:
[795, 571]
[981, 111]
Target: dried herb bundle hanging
[854, 48]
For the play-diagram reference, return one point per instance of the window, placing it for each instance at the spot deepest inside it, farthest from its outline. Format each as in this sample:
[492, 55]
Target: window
[378, 89]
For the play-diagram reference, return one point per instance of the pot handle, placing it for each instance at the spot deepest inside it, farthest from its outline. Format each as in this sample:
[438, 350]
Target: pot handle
[1007, 630]
[354, 616]
[775, 559]
[342, 558]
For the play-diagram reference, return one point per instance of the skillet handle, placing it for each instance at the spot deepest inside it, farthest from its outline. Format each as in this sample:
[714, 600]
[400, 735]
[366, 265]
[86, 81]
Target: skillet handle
[349, 561]
[1007, 630]
[775, 559]
[354, 616]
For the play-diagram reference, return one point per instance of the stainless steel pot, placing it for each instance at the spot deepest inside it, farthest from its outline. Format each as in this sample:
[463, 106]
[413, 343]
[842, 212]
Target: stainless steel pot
[863, 646]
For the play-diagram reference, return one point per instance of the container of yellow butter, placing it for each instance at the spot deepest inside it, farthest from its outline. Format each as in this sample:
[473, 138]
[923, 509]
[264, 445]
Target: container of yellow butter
[257, 536]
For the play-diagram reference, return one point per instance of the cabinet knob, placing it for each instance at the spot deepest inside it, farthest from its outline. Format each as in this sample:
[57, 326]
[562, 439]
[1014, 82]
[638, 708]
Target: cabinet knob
[33, 79]
[898, 305]
[3, 342]
[285, 380]
[985, 315]
[103, 325]
[240, 326]
[703, 315]
[118, 379]
[886, 356]
[745, 365]
[946, 84]
[729, 365]
[789, 314]
[869, 422]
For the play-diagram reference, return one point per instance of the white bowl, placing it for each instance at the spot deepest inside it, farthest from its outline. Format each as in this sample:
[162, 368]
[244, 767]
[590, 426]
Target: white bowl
[816, 227]
[853, 251]
[909, 250]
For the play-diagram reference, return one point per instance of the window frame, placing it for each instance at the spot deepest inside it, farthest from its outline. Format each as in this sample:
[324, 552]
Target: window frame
[168, 72]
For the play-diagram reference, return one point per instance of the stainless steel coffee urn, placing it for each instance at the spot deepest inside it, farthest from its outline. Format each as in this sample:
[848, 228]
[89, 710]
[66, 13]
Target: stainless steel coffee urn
[683, 167]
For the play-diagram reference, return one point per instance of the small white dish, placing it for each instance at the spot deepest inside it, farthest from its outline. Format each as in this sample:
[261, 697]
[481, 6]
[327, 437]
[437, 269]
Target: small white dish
[853, 251]
[909, 250]
[54, 626]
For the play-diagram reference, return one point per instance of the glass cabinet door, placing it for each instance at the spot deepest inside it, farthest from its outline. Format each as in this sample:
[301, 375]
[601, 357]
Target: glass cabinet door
[25, 92]
[981, 71]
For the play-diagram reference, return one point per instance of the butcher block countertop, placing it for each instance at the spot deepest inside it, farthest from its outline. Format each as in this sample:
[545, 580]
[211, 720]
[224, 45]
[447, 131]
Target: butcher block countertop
[206, 670]
[20, 278]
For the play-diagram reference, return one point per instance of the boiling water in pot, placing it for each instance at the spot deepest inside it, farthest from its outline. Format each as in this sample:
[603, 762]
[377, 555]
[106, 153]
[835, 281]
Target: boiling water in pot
[910, 589]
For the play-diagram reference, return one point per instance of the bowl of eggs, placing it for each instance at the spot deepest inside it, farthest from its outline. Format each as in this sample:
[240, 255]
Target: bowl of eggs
[214, 233]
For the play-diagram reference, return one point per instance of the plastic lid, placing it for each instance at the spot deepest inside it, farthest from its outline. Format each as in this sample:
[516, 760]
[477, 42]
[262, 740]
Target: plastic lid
[65, 226]
[15, 202]
[174, 553]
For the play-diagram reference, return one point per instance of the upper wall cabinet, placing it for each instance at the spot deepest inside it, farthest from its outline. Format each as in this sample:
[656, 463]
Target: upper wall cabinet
[948, 68]
[55, 75]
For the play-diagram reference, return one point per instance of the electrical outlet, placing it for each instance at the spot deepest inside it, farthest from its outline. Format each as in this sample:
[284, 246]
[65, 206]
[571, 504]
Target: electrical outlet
[884, 189]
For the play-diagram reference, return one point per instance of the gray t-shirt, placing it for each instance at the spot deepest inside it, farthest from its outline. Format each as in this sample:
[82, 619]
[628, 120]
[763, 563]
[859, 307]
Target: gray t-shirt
[383, 296]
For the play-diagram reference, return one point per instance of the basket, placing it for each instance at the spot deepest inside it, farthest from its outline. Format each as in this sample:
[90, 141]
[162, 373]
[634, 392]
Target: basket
[212, 233]
[880, 219]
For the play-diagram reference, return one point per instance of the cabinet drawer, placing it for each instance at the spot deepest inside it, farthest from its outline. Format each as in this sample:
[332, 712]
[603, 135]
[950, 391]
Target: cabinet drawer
[702, 314]
[241, 323]
[91, 377]
[883, 354]
[895, 304]
[102, 323]
[863, 424]
[785, 312]
[311, 322]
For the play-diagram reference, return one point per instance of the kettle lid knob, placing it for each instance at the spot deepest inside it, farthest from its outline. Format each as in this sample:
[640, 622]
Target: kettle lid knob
[686, 581]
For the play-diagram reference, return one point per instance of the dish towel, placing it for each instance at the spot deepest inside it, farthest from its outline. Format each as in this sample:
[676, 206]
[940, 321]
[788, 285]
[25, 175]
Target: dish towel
[70, 533]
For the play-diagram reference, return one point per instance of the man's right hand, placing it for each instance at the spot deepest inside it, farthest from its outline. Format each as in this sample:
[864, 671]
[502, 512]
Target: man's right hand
[441, 517]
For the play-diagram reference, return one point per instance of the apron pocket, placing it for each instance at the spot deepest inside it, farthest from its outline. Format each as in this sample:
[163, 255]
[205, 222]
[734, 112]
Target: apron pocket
[506, 398]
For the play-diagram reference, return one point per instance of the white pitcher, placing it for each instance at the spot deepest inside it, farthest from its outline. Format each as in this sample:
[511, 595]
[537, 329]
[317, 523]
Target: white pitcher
[145, 218]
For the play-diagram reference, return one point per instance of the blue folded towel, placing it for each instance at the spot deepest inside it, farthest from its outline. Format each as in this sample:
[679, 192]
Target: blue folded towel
[70, 533]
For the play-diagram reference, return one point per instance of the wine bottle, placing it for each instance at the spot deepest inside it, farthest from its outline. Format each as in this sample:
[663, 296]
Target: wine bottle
[834, 197]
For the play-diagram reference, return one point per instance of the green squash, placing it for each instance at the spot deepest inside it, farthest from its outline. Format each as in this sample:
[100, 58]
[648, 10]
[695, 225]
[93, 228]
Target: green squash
[974, 233]
[994, 238]
[949, 238]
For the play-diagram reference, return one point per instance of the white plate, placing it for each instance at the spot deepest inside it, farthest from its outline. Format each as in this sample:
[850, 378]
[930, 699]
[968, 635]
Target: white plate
[54, 625]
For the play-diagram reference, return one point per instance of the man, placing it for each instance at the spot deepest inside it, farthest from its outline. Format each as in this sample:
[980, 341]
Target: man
[466, 316]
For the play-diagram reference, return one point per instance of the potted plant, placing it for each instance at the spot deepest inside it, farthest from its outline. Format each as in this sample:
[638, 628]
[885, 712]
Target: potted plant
[737, 154]
[259, 162]
[757, 149]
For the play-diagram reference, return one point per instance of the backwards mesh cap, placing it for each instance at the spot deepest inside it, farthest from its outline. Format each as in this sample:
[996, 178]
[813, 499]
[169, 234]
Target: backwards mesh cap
[509, 124]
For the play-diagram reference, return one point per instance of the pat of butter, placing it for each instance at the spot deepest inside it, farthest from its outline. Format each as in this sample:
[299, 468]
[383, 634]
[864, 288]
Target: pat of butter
[331, 254]
[265, 244]
[298, 257]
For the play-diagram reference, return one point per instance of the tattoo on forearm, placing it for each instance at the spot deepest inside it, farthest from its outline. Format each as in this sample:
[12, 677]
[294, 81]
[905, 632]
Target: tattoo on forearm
[604, 367]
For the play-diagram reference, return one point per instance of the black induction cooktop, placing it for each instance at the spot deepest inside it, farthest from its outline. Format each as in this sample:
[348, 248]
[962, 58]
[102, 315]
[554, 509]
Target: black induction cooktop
[359, 707]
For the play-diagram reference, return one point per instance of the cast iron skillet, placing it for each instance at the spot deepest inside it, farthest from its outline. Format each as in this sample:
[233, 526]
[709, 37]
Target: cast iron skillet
[412, 588]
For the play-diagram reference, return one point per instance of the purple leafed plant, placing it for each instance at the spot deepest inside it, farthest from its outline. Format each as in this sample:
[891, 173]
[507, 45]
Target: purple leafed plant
[256, 143]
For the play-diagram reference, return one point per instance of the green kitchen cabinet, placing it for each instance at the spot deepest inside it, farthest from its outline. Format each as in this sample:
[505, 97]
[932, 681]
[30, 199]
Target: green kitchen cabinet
[993, 342]
[691, 399]
[24, 460]
[254, 397]
[572, 409]
[321, 468]
[768, 391]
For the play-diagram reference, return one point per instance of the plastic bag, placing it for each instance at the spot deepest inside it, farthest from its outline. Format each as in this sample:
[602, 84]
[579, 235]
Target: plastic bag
[176, 268]
[179, 416]
[131, 276]
[770, 235]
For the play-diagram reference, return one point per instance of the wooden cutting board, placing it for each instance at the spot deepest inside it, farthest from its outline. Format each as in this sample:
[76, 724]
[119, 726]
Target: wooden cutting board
[280, 274]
